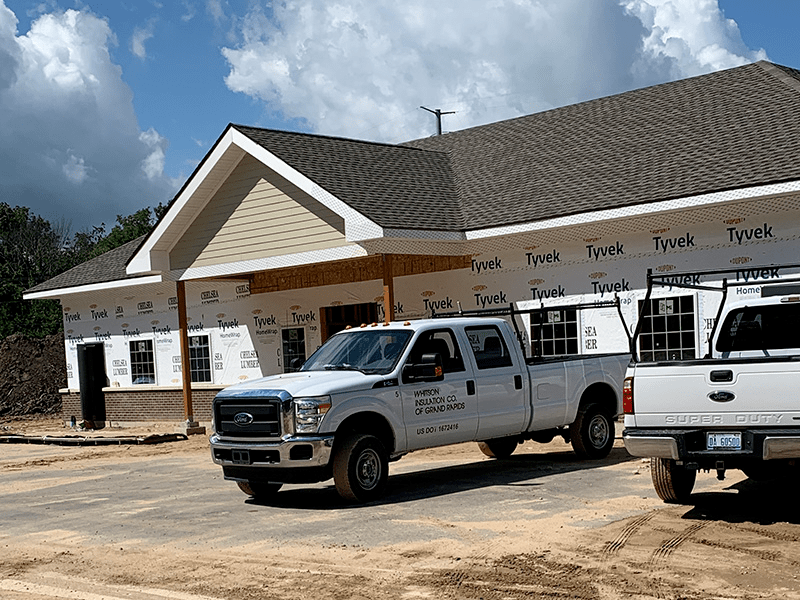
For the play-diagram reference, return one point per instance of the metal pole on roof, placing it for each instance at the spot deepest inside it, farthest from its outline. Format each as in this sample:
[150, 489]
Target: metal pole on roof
[438, 112]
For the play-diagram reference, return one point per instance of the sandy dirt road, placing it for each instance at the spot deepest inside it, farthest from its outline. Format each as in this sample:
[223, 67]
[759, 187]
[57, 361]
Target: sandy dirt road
[158, 522]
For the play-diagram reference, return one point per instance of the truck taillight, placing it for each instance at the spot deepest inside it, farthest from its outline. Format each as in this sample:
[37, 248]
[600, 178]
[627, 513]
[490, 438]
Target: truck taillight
[627, 396]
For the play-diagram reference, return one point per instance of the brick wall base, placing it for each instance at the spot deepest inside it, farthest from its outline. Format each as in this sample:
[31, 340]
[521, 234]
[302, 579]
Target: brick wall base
[128, 405]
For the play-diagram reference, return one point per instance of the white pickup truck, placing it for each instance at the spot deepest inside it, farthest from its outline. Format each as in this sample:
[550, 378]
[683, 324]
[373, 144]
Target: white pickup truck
[736, 408]
[373, 393]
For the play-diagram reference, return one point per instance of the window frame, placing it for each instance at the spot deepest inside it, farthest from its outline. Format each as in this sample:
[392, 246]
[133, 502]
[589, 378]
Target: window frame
[286, 360]
[195, 360]
[659, 338]
[136, 365]
[569, 337]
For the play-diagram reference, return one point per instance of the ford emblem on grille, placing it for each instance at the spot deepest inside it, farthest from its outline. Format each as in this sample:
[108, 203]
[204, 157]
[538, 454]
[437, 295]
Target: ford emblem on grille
[243, 419]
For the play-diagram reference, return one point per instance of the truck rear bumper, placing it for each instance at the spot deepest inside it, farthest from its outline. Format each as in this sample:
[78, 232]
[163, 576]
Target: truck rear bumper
[290, 453]
[662, 446]
[690, 445]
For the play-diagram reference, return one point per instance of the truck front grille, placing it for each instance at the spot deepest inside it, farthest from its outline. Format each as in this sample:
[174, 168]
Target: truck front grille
[259, 417]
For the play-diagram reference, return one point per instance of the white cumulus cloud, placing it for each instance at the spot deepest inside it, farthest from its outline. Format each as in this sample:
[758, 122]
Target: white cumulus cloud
[71, 145]
[362, 68]
[139, 37]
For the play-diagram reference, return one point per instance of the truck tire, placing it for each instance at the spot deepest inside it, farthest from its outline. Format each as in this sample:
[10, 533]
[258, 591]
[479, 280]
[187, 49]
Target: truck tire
[499, 447]
[592, 432]
[259, 489]
[360, 468]
[672, 482]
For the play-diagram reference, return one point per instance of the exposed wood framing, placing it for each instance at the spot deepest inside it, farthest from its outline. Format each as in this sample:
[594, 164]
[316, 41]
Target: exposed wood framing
[353, 270]
[388, 288]
[186, 370]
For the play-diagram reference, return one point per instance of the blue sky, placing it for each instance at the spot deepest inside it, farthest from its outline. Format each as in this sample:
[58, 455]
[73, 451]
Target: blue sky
[107, 107]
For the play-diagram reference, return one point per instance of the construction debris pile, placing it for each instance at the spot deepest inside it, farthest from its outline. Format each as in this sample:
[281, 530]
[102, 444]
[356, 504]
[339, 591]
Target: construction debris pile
[32, 370]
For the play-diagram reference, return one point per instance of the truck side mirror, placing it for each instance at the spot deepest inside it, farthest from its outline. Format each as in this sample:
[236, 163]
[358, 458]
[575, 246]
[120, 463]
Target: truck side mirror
[429, 368]
[296, 363]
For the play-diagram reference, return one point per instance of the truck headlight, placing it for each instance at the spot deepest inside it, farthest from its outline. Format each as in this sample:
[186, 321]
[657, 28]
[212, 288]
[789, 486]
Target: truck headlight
[308, 413]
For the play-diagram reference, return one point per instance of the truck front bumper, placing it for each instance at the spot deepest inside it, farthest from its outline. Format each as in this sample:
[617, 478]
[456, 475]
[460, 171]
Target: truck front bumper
[690, 445]
[299, 459]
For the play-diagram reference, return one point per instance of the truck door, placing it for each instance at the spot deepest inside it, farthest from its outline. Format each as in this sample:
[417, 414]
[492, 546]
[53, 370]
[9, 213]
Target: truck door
[441, 412]
[503, 406]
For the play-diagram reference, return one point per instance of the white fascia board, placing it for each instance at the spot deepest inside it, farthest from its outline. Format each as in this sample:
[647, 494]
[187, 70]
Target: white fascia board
[147, 259]
[357, 226]
[274, 262]
[638, 210]
[94, 287]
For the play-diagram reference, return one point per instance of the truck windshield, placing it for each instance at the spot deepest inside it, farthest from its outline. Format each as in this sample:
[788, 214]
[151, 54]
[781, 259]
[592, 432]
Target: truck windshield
[372, 351]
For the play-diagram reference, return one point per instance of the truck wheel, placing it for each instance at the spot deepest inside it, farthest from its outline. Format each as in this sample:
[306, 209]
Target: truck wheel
[499, 447]
[673, 483]
[360, 468]
[592, 432]
[259, 489]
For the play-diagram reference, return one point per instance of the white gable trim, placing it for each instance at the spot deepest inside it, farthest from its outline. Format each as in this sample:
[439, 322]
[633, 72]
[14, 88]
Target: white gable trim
[357, 226]
[273, 262]
[153, 256]
[94, 287]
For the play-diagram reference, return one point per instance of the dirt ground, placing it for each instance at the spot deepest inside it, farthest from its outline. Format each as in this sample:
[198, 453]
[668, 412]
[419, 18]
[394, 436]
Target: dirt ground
[737, 540]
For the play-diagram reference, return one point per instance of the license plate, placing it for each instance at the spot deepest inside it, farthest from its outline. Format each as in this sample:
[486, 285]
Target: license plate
[723, 441]
[240, 457]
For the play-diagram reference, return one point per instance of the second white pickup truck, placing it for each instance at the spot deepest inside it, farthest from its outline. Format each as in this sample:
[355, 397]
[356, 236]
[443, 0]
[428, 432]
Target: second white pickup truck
[373, 393]
[736, 408]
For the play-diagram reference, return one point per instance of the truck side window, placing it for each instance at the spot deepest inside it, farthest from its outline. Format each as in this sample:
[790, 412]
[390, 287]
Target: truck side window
[488, 347]
[443, 342]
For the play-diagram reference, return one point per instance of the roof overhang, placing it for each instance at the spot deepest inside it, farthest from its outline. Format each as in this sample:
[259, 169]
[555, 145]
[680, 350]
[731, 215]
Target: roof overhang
[622, 220]
[95, 287]
[230, 148]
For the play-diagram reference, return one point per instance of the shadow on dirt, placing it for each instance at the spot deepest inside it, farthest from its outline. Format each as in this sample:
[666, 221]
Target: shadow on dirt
[517, 470]
[761, 502]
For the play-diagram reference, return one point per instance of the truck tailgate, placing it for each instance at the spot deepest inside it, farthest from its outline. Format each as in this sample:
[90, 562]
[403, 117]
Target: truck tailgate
[719, 393]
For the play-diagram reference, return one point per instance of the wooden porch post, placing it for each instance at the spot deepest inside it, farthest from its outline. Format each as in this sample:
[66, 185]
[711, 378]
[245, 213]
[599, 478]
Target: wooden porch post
[191, 426]
[388, 289]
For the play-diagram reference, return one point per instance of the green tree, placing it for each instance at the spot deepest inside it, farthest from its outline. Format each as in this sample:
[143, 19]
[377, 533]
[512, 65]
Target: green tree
[31, 251]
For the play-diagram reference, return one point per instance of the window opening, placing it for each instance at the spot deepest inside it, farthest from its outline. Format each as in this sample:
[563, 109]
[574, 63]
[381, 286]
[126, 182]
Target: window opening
[554, 333]
[200, 358]
[668, 331]
[143, 362]
[294, 346]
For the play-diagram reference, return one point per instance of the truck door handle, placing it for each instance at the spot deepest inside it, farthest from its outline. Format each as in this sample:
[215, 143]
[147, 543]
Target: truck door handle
[470, 387]
[720, 376]
[517, 382]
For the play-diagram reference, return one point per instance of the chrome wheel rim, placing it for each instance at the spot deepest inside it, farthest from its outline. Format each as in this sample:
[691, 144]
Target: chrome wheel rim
[598, 431]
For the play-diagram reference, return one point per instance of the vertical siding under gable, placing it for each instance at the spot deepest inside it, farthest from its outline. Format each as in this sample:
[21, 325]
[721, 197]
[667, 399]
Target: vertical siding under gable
[256, 214]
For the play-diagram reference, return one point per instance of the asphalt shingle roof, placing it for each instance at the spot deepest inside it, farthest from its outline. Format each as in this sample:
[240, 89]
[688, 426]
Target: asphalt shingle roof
[382, 181]
[722, 131]
[726, 130]
[109, 266]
